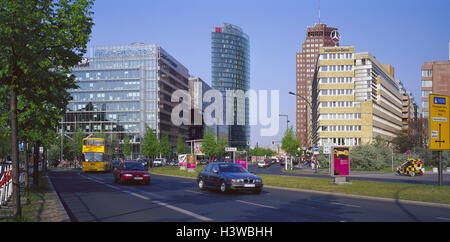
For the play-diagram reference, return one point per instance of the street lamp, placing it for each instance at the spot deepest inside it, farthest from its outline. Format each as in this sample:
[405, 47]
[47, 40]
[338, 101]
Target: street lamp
[314, 119]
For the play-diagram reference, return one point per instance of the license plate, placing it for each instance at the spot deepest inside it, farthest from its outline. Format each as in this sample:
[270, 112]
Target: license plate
[138, 178]
[249, 185]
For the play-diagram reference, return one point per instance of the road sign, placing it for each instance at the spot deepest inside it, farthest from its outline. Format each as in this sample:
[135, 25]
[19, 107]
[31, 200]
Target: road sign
[439, 125]
[230, 149]
[327, 148]
[316, 148]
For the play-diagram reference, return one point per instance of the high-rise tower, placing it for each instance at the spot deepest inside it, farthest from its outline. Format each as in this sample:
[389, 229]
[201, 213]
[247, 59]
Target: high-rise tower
[318, 36]
[230, 70]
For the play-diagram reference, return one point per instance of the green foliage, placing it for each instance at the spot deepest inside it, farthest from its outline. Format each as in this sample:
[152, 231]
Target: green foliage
[150, 143]
[127, 146]
[290, 143]
[165, 148]
[222, 143]
[209, 144]
[261, 151]
[182, 148]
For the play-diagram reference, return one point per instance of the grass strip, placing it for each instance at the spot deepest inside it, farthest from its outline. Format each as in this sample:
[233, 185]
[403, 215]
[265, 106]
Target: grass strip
[392, 190]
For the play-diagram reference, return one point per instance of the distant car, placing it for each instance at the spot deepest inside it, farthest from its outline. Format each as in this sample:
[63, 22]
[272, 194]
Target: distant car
[228, 177]
[172, 163]
[143, 161]
[159, 162]
[204, 162]
[115, 164]
[131, 171]
[411, 167]
[264, 164]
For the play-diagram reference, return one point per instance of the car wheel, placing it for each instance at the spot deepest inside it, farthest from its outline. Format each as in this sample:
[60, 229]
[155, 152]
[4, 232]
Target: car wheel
[201, 185]
[223, 187]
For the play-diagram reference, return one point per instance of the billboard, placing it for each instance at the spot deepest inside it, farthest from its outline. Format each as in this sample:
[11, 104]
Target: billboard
[198, 148]
[340, 164]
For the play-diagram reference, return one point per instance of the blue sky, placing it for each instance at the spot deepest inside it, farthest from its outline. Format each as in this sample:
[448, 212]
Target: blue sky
[403, 34]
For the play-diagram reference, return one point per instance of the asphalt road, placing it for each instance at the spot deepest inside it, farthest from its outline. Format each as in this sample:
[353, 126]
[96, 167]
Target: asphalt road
[427, 179]
[95, 197]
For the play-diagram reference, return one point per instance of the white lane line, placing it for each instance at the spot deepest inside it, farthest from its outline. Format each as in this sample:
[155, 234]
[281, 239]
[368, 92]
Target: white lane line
[197, 216]
[447, 219]
[111, 186]
[256, 204]
[137, 195]
[347, 205]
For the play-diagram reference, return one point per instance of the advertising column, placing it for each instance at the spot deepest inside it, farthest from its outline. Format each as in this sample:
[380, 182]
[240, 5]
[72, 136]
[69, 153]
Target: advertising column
[340, 164]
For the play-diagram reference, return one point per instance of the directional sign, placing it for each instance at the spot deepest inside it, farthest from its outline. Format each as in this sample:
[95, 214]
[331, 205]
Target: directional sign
[230, 149]
[439, 124]
[316, 148]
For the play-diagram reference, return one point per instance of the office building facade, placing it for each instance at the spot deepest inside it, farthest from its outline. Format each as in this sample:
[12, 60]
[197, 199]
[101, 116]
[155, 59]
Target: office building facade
[358, 98]
[436, 80]
[316, 37]
[230, 71]
[122, 89]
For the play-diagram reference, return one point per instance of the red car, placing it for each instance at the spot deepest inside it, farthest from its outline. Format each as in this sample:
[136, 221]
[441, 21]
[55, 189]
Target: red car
[131, 171]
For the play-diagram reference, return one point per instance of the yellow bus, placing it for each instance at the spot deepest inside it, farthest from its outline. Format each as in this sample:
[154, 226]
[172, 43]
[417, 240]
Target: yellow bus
[95, 155]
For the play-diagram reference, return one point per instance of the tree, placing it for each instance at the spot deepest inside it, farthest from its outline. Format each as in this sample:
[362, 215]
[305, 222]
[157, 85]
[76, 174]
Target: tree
[290, 143]
[40, 40]
[182, 148]
[127, 146]
[150, 143]
[164, 146]
[209, 143]
[222, 143]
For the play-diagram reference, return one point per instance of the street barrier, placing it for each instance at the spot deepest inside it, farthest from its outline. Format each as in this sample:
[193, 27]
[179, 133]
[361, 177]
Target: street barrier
[6, 184]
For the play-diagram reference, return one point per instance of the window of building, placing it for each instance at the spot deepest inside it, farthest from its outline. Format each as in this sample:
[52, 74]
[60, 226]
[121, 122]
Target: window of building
[427, 73]
[427, 83]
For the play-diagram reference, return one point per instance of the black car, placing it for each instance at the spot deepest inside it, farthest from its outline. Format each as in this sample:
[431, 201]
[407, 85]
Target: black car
[228, 177]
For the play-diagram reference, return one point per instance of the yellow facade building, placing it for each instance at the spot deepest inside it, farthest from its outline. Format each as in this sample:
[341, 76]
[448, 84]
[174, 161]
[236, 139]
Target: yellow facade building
[358, 98]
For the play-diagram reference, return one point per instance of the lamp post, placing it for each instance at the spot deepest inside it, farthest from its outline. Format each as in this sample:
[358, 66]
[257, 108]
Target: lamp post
[287, 120]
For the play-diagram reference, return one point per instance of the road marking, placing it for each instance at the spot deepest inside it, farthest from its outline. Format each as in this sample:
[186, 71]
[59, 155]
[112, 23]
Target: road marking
[111, 186]
[256, 204]
[197, 216]
[347, 205]
[448, 219]
[192, 191]
[137, 195]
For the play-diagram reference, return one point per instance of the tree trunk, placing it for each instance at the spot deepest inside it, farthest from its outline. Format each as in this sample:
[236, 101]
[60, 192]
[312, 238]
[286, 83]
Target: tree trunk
[36, 165]
[17, 210]
[26, 167]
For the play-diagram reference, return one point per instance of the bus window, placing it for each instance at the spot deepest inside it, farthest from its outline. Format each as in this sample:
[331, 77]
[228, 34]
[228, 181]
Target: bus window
[91, 142]
[93, 157]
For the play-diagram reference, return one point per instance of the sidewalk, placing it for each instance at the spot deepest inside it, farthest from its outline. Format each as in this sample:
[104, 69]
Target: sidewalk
[50, 209]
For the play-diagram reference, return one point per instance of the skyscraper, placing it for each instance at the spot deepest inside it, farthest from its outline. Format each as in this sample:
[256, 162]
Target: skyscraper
[230, 70]
[318, 36]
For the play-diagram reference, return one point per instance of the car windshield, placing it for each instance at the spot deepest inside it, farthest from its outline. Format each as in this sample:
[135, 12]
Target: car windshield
[133, 166]
[232, 168]
[93, 157]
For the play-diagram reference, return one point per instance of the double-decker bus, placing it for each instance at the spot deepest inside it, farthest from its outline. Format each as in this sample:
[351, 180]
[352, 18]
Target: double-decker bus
[96, 155]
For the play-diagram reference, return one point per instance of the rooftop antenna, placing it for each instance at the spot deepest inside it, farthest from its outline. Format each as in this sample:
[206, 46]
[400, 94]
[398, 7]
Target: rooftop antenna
[319, 11]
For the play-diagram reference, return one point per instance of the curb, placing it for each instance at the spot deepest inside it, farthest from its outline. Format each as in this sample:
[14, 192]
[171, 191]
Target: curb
[61, 210]
[411, 202]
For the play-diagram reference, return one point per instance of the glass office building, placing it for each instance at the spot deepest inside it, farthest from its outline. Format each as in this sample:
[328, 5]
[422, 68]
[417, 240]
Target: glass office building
[122, 89]
[230, 70]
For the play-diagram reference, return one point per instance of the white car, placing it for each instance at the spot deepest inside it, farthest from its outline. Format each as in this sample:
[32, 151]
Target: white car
[159, 162]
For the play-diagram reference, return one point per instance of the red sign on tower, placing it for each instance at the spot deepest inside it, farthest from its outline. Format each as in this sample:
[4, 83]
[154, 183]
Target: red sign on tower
[218, 30]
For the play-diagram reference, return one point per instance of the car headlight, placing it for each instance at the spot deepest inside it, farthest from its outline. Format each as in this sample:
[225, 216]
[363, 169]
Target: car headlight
[127, 175]
[237, 180]
[146, 175]
[258, 180]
